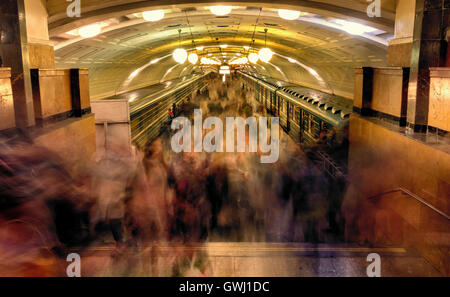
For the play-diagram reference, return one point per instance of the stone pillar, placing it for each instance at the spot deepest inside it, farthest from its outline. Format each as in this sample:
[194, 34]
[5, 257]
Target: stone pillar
[14, 54]
[400, 48]
[429, 49]
[40, 48]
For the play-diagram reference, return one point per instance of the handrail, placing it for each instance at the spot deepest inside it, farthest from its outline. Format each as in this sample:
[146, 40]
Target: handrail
[421, 200]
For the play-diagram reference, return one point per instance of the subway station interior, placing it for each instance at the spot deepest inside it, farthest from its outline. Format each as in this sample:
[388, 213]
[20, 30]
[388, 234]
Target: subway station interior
[225, 139]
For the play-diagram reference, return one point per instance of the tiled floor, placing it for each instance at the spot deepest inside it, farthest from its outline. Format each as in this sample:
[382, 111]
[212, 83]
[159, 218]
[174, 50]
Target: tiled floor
[254, 260]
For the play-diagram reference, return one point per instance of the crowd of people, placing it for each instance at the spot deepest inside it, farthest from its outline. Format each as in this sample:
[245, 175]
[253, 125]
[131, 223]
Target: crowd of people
[137, 203]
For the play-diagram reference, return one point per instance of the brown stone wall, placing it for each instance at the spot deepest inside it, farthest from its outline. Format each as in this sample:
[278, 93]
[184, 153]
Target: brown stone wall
[399, 55]
[381, 160]
[41, 56]
[72, 139]
[439, 108]
[388, 90]
[54, 96]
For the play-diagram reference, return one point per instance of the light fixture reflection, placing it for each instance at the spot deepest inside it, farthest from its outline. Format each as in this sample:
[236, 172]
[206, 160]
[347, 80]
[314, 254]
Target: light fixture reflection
[265, 54]
[313, 72]
[153, 15]
[193, 58]
[354, 28]
[220, 9]
[90, 31]
[180, 55]
[253, 58]
[289, 15]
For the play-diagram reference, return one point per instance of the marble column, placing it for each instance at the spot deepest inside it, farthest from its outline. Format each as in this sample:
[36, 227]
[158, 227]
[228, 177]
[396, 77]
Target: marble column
[429, 47]
[14, 54]
[400, 48]
[40, 48]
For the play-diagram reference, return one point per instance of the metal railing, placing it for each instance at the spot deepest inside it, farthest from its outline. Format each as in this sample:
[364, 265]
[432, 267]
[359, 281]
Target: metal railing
[419, 199]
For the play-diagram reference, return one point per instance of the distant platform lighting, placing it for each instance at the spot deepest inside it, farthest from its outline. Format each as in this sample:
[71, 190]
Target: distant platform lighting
[292, 60]
[223, 45]
[265, 54]
[90, 31]
[253, 58]
[153, 15]
[208, 61]
[239, 61]
[289, 15]
[200, 48]
[220, 9]
[180, 55]
[193, 58]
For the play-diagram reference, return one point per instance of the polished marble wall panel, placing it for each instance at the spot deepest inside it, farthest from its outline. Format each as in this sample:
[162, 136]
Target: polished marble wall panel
[388, 90]
[428, 50]
[439, 108]
[7, 118]
[41, 56]
[399, 54]
[54, 93]
[14, 54]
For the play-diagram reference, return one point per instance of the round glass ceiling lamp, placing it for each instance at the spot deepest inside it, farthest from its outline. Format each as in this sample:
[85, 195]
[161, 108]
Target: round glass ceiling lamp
[220, 9]
[90, 30]
[180, 55]
[153, 15]
[289, 15]
[253, 58]
[193, 58]
[265, 54]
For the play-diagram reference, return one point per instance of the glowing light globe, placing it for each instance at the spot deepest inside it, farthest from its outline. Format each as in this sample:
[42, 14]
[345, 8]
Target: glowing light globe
[153, 15]
[180, 55]
[289, 15]
[220, 9]
[193, 58]
[253, 58]
[90, 30]
[265, 54]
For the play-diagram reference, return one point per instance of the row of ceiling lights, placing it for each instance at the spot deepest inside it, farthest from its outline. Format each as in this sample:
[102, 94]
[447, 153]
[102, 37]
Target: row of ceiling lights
[180, 56]
[93, 30]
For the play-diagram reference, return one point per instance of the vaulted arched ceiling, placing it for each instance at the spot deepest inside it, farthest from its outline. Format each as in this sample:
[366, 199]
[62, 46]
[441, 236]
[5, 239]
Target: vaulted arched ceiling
[132, 53]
